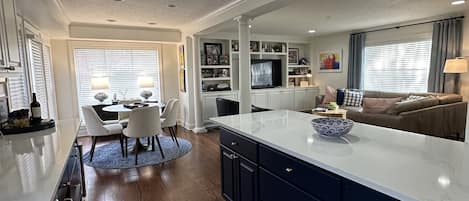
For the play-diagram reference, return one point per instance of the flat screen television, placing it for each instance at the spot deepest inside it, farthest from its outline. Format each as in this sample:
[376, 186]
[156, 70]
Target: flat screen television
[266, 73]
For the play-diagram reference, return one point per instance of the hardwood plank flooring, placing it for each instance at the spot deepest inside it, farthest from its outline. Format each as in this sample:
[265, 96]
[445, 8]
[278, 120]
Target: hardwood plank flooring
[193, 177]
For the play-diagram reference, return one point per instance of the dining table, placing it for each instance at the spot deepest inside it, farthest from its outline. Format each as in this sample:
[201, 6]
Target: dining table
[121, 108]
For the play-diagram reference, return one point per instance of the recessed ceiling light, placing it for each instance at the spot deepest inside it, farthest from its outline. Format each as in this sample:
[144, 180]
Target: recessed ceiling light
[312, 31]
[152, 23]
[458, 2]
[119, 0]
[250, 26]
[111, 20]
[172, 6]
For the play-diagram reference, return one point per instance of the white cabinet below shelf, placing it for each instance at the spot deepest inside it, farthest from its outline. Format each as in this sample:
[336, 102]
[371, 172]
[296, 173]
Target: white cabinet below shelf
[209, 103]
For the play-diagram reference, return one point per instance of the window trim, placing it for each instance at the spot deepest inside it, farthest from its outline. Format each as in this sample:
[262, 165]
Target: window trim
[92, 44]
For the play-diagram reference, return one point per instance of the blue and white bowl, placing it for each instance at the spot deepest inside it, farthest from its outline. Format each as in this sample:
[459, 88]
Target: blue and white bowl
[332, 127]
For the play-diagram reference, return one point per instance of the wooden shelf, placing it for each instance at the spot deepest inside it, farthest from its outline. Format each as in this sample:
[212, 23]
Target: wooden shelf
[274, 53]
[215, 78]
[297, 76]
[249, 53]
[298, 66]
[215, 66]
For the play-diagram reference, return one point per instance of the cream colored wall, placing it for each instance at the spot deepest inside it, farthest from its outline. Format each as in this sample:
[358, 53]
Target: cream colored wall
[325, 43]
[65, 82]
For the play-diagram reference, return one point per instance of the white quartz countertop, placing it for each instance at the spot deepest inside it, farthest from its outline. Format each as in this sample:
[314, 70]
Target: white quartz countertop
[32, 164]
[404, 165]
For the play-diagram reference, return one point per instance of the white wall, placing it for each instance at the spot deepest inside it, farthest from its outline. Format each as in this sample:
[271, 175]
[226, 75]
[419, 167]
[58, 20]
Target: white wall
[65, 82]
[325, 43]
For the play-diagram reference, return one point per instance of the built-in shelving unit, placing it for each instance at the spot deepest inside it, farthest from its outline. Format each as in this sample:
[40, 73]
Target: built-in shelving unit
[224, 76]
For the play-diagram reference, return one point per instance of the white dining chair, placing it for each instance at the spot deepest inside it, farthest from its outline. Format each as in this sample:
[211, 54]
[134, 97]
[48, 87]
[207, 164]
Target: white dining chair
[144, 122]
[123, 117]
[169, 118]
[96, 128]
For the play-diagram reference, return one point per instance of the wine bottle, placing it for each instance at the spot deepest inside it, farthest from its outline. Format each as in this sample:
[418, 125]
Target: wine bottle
[35, 109]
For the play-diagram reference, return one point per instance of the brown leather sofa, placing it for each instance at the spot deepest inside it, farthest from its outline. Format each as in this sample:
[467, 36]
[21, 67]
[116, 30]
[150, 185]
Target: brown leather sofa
[440, 115]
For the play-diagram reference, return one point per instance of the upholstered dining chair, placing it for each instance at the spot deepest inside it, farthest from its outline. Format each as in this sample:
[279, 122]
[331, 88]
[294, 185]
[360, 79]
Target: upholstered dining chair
[169, 118]
[123, 117]
[144, 122]
[98, 128]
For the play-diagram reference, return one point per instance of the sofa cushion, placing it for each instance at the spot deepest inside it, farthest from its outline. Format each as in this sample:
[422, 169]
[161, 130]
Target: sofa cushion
[414, 97]
[378, 105]
[340, 96]
[353, 98]
[330, 95]
[449, 98]
[405, 106]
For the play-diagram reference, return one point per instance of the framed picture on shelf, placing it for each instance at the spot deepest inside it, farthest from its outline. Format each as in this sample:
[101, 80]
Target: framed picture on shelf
[293, 56]
[254, 46]
[181, 56]
[330, 61]
[213, 51]
[224, 60]
[212, 60]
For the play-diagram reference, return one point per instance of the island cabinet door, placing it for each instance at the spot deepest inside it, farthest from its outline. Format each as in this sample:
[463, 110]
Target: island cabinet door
[274, 188]
[247, 180]
[228, 174]
[357, 192]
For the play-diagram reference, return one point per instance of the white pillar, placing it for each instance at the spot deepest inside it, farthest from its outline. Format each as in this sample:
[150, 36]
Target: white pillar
[198, 117]
[244, 65]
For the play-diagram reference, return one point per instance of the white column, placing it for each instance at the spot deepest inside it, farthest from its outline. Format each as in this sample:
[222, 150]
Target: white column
[244, 65]
[198, 117]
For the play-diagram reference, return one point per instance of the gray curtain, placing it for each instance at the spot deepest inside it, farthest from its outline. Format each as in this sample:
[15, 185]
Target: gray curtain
[355, 60]
[446, 44]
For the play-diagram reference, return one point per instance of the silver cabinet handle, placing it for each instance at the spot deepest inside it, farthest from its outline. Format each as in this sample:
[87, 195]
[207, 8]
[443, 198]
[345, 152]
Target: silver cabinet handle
[234, 143]
[288, 169]
[234, 156]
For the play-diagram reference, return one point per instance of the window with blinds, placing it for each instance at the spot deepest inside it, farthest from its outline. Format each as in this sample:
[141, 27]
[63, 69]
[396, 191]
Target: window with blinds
[121, 66]
[397, 67]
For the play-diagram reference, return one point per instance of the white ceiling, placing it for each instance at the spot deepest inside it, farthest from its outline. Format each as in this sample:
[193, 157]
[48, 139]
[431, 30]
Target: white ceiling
[333, 16]
[140, 12]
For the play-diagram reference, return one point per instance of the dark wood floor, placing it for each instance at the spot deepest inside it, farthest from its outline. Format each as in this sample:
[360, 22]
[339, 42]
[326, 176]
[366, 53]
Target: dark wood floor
[193, 177]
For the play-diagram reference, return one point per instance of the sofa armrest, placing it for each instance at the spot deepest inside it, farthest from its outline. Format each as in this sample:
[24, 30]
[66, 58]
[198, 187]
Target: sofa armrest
[319, 99]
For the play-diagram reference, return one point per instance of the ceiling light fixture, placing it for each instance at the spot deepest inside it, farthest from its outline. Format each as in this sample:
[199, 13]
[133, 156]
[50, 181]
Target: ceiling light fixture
[458, 2]
[250, 26]
[172, 6]
[111, 20]
[119, 0]
[312, 31]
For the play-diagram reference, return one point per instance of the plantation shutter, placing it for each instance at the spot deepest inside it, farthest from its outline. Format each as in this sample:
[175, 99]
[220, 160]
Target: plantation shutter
[38, 76]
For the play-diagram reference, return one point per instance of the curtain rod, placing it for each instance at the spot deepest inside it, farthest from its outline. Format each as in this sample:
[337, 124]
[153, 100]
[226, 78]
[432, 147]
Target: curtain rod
[408, 25]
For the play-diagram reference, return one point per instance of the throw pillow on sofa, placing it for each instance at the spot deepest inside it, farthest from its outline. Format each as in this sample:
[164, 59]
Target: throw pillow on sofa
[378, 105]
[353, 98]
[330, 95]
[406, 106]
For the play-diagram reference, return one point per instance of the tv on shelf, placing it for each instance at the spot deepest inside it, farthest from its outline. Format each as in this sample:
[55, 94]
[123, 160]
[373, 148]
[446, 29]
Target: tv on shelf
[266, 73]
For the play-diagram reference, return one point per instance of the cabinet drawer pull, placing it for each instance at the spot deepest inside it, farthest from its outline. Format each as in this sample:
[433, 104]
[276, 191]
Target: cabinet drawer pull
[288, 169]
[234, 156]
[234, 143]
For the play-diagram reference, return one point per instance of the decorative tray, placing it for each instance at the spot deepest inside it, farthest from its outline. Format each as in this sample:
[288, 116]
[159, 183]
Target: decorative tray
[44, 124]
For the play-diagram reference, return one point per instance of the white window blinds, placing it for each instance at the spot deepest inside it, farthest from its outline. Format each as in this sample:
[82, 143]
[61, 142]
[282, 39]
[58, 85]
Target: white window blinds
[40, 73]
[18, 92]
[397, 67]
[121, 66]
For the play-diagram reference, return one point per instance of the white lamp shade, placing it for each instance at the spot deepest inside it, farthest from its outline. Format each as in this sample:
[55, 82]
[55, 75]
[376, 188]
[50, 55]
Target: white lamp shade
[458, 65]
[100, 83]
[146, 82]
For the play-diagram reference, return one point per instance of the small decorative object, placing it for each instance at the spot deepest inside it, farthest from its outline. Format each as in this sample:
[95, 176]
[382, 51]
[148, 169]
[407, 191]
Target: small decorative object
[303, 61]
[304, 84]
[36, 115]
[330, 61]
[100, 84]
[213, 51]
[235, 46]
[293, 55]
[254, 46]
[146, 83]
[333, 106]
[332, 127]
[114, 99]
[224, 60]
[225, 73]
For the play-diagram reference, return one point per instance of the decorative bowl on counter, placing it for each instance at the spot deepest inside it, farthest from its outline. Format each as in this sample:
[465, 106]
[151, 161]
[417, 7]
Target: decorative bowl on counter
[332, 127]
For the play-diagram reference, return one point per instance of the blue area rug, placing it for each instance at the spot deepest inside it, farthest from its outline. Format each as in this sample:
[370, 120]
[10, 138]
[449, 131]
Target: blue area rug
[109, 156]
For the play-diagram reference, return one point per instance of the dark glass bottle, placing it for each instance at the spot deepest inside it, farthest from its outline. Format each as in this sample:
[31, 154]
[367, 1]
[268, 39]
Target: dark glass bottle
[35, 109]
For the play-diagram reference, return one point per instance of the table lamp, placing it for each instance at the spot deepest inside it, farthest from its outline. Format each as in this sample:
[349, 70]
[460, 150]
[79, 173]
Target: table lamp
[100, 84]
[146, 83]
[458, 65]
